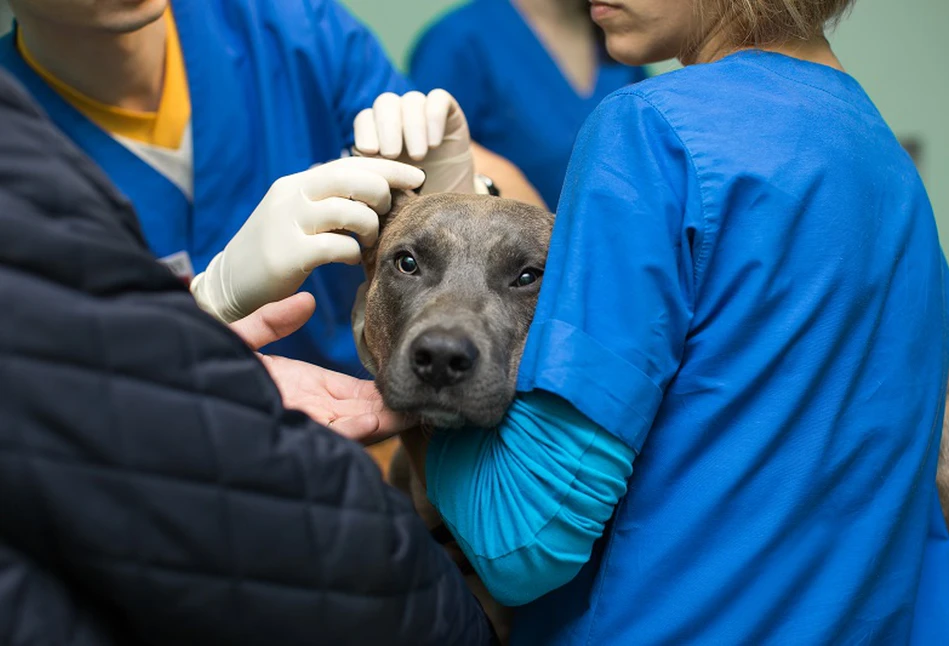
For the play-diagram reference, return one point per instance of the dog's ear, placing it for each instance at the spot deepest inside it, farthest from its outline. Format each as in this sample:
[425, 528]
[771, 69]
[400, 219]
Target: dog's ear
[400, 199]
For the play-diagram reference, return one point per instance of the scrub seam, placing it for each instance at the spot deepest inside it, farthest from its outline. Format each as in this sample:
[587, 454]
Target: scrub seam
[704, 250]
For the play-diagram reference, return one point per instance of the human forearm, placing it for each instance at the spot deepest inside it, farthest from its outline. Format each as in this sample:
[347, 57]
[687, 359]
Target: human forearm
[509, 179]
[528, 500]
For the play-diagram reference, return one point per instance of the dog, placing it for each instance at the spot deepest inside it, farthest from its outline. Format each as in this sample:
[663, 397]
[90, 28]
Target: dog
[452, 285]
[450, 294]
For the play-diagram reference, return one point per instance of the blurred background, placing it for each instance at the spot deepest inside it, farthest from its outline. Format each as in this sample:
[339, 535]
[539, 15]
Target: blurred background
[898, 50]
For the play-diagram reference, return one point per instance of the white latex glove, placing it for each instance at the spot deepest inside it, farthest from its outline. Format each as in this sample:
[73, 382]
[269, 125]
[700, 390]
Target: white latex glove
[299, 225]
[430, 132]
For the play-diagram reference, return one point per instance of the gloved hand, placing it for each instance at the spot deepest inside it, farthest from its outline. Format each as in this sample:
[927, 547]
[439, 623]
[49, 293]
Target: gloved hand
[299, 225]
[430, 132]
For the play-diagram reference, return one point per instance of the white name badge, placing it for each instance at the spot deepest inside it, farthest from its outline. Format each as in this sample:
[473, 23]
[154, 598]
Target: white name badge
[180, 265]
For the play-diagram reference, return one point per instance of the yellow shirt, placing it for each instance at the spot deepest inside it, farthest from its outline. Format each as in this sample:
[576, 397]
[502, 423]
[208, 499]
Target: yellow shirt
[164, 128]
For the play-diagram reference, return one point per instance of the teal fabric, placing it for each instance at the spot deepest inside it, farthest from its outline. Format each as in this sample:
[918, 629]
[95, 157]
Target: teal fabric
[548, 479]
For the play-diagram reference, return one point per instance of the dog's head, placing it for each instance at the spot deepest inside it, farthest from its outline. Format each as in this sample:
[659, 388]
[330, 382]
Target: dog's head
[452, 286]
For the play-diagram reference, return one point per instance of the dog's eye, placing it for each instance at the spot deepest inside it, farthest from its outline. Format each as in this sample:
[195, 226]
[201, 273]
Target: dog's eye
[406, 263]
[527, 277]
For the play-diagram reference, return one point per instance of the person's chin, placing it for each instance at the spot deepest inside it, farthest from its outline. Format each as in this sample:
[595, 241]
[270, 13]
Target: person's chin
[634, 50]
[131, 15]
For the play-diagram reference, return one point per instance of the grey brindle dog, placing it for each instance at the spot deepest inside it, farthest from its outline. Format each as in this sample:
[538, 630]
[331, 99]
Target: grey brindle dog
[451, 291]
[452, 286]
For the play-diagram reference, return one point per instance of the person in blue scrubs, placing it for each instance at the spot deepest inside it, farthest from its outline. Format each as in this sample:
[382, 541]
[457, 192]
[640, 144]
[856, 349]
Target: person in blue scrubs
[527, 73]
[195, 108]
[730, 400]
[274, 89]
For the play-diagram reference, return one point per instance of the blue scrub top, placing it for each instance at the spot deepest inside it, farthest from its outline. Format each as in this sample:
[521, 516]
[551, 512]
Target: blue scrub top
[745, 285]
[274, 87]
[518, 102]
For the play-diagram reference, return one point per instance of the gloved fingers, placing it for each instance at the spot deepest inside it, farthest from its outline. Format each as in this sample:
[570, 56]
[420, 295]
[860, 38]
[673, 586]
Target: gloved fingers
[350, 182]
[414, 125]
[364, 179]
[438, 105]
[364, 130]
[456, 125]
[340, 214]
[324, 248]
[387, 110]
[397, 174]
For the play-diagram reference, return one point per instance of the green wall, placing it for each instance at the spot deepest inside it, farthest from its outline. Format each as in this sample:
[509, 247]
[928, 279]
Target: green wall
[897, 49]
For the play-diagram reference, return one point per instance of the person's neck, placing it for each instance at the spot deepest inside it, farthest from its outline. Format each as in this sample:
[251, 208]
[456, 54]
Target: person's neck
[553, 10]
[124, 70]
[815, 50]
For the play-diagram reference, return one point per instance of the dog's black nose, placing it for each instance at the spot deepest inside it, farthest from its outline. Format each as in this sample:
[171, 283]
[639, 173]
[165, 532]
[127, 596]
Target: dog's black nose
[442, 357]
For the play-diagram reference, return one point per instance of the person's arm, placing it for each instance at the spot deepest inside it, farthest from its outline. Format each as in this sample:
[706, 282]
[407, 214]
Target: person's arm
[145, 455]
[538, 493]
[431, 131]
[510, 180]
[527, 501]
[365, 74]
[942, 467]
[447, 57]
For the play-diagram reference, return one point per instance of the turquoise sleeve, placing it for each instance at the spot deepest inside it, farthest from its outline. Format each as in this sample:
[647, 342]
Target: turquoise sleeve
[527, 500]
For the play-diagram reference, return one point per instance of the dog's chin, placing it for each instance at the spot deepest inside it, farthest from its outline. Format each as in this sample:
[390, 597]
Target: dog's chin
[438, 418]
[480, 402]
[484, 409]
[444, 417]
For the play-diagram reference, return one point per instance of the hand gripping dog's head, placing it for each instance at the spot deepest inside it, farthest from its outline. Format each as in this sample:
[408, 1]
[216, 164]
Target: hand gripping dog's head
[452, 286]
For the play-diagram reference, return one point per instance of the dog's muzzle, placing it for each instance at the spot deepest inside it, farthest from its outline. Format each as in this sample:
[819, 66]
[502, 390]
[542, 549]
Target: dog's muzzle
[442, 357]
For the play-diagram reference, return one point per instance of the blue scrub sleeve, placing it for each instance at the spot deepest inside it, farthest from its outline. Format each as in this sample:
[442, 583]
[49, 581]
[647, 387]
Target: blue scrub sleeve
[625, 258]
[447, 57]
[527, 501]
[361, 71]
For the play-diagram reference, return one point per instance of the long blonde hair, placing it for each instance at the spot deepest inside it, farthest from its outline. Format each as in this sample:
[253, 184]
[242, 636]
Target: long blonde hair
[756, 23]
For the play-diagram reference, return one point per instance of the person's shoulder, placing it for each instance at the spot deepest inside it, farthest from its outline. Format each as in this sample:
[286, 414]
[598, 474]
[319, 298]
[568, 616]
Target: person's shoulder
[301, 16]
[647, 98]
[685, 102]
[683, 86]
[455, 29]
[460, 21]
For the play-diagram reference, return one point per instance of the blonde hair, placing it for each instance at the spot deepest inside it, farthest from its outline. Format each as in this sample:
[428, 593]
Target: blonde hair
[752, 23]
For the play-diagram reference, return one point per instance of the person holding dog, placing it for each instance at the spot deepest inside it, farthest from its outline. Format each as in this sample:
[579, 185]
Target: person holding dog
[731, 395]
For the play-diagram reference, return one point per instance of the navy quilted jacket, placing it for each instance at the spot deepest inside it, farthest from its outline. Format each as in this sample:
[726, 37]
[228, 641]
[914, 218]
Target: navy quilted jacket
[153, 490]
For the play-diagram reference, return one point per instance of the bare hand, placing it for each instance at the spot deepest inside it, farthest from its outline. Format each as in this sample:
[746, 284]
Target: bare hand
[275, 321]
[351, 407]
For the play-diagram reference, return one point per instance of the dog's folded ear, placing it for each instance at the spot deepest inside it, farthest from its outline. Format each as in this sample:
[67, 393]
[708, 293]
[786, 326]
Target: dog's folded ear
[400, 199]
